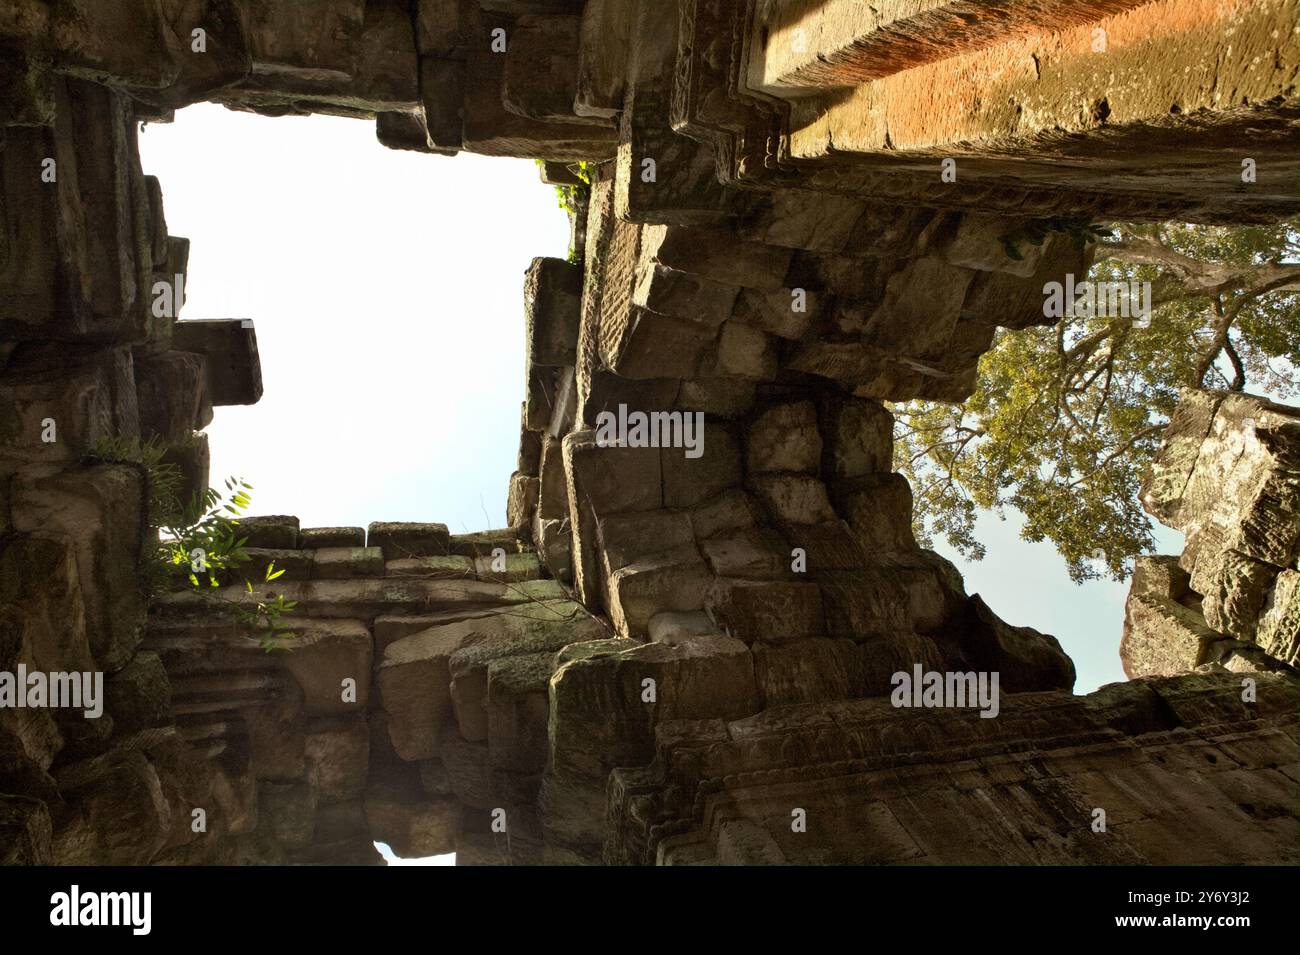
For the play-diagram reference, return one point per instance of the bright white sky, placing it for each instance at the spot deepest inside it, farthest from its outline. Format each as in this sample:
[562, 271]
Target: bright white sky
[387, 291]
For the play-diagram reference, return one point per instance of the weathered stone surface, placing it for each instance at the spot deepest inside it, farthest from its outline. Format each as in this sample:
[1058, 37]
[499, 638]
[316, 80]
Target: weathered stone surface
[518, 707]
[399, 540]
[366, 597]
[626, 538]
[809, 671]
[640, 590]
[439, 567]
[757, 553]
[543, 628]
[786, 313]
[42, 611]
[604, 38]
[314, 538]
[793, 498]
[334, 563]
[438, 26]
[493, 130]
[229, 349]
[921, 779]
[87, 402]
[508, 568]
[295, 565]
[784, 438]
[1162, 636]
[688, 481]
[742, 352]
[1026, 659]
[486, 543]
[273, 532]
[859, 438]
[139, 695]
[1226, 475]
[603, 711]
[768, 611]
[667, 291]
[404, 130]
[879, 510]
[521, 504]
[717, 255]
[171, 396]
[541, 74]
[552, 307]
[100, 511]
[442, 94]
[1279, 624]
[468, 770]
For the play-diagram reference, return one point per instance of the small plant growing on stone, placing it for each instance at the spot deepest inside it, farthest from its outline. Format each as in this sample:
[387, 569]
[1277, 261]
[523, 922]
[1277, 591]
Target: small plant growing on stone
[206, 542]
[265, 620]
[202, 540]
[199, 540]
[573, 197]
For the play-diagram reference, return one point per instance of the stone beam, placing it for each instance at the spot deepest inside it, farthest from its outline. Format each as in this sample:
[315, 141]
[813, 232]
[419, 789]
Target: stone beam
[810, 45]
[230, 347]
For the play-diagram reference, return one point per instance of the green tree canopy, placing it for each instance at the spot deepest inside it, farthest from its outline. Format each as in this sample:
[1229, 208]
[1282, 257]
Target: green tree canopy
[1066, 418]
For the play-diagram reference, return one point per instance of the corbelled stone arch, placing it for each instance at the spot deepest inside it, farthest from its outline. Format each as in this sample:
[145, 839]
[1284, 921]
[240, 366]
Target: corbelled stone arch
[665, 653]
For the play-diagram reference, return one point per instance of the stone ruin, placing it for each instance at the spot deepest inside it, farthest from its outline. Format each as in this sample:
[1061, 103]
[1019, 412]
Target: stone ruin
[664, 659]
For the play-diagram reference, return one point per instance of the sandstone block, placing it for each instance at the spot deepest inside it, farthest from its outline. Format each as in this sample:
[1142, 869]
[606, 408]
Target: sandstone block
[171, 395]
[100, 511]
[278, 532]
[793, 498]
[859, 438]
[717, 255]
[336, 563]
[627, 538]
[139, 695]
[784, 438]
[879, 510]
[1279, 624]
[522, 501]
[688, 481]
[782, 313]
[442, 94]
[315, 538]
[742, 352]
[768, 611]
[511, 568]
[517, 710]
[541, 69]
[639, 591]
[229, 347]
[400, 540]
[441, 568]
[756, 553]
[691, 298]
[325, 654]
[730, 511]
[809, 671]
[540, 628]
[552, 307]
